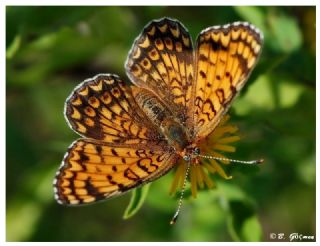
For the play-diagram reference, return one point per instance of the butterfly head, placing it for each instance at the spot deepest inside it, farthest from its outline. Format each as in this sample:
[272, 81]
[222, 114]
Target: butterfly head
[191, 153]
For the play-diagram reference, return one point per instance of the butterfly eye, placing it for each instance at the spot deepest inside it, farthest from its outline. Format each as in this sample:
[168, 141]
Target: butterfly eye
[196, 151]
[186, 158]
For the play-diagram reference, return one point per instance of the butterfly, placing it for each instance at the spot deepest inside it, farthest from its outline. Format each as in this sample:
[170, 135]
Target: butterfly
[134, 134]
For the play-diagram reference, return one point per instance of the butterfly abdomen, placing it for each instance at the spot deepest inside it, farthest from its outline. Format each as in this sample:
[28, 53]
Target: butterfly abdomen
[161, 117]
[155, 110]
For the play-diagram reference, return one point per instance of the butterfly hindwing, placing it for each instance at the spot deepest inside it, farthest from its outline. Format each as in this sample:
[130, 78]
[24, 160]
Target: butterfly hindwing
[92, 171]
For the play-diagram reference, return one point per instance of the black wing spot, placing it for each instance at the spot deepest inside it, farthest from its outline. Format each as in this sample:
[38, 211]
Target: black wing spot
[203, 74]
[114, 152]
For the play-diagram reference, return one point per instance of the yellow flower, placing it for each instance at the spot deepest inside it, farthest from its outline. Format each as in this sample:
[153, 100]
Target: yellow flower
[219, 140]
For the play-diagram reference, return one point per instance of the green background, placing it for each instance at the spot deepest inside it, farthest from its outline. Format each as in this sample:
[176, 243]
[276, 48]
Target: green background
[52, 49]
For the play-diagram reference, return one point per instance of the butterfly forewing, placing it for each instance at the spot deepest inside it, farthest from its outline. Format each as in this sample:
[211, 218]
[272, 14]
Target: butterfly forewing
[225, 57]
[161, 60]
[103, 108]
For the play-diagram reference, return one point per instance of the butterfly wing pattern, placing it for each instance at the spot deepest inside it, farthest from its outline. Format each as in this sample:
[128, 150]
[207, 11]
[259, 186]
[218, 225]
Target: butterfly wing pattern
[225, 57]
[121, 147]
[119, 150]
[103, 108]
[161, 60]
[93, 170]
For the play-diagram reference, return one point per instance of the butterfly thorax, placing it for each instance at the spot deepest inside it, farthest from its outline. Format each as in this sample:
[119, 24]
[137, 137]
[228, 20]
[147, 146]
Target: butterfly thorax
[161, 117]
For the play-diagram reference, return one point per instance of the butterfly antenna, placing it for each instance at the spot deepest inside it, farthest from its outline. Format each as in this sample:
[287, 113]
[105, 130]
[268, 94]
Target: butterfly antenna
[253, 162]
[175, 216]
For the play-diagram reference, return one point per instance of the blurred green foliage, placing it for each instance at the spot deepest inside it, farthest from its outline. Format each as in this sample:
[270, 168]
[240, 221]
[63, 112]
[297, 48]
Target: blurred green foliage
[52, 49]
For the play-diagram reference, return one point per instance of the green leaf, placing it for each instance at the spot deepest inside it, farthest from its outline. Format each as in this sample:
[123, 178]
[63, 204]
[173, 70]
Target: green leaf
[14, 46]
[259, 96]
[243, 224]
[138, 197]
[290, 92]
[251, 229]
[252, 14]
[284, 33]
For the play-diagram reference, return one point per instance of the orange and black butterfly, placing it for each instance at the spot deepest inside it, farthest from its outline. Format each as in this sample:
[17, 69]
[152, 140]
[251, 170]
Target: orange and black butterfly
[132, 135]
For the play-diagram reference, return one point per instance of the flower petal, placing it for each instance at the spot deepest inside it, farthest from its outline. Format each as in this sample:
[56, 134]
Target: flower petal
[220, 170]
[199, 177]
[178, 178]
[230, 139]
[210, 168]
[193, 181]
[209, 183]
[220, 131]
[219, 140]
[223, 147]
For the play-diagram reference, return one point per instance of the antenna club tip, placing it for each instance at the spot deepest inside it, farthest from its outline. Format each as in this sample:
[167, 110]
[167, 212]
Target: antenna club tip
[174, 219]
[260, 161]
